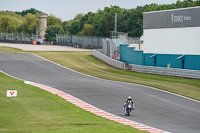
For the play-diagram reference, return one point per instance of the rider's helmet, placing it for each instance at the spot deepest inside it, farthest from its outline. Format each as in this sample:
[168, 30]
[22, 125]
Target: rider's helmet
[129, 97]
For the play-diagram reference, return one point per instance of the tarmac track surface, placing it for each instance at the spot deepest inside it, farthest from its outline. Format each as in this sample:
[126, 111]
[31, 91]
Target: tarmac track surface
[154, 108]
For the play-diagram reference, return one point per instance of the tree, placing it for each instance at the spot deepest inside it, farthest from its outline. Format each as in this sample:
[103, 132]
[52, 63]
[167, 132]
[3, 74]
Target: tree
[197, 2]
[53, 20]
[75, 28]
[64, 25]
[4, 23]
[78, 17]
[9, 21]
[107, 21]
[74, 24]
[9, 24]
[31, 11]
[88, 30]
[11, 14]
[51, 32]
[30, 23]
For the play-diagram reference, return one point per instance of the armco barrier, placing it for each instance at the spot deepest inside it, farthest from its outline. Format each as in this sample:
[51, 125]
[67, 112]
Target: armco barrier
[166, 71]
[108, 60]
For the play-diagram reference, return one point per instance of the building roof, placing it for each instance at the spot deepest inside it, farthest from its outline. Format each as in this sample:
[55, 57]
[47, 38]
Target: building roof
[172, 10]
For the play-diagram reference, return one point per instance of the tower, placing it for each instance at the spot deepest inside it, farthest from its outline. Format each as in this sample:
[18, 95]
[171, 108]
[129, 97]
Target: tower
[42, 25]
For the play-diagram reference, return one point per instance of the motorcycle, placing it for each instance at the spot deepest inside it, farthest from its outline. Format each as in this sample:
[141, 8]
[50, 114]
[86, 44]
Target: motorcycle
[128, 108]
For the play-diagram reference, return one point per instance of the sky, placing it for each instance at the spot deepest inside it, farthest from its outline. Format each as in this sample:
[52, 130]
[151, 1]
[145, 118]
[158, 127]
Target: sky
[67, 9]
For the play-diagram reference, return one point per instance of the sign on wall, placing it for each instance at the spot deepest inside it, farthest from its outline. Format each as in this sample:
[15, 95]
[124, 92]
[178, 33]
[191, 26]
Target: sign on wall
[187, 17]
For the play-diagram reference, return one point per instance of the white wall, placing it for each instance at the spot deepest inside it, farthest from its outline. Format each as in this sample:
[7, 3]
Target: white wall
[120, 41]
[172, 40]
[136, 46]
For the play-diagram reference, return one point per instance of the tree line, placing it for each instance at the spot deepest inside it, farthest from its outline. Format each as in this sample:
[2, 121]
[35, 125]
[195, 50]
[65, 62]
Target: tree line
[100, 23]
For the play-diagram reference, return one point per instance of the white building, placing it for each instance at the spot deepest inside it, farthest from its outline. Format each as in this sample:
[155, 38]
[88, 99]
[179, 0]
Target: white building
[172, 31]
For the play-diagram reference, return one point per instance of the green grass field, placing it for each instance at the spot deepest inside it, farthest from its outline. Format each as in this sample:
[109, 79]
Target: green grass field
[38, 111]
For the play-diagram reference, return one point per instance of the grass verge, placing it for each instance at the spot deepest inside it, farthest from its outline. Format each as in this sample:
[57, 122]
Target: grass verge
[38, 111]
[84, 62]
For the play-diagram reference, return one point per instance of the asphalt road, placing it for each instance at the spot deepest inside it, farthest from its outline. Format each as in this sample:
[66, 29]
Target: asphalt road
[153, 107]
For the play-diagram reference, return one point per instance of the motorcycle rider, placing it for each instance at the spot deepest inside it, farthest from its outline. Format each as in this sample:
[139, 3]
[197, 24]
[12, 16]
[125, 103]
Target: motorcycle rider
[129, 99]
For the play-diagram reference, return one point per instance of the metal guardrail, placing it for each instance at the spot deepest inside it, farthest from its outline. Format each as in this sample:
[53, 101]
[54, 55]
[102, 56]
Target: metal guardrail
[166, 71]
[108, 60]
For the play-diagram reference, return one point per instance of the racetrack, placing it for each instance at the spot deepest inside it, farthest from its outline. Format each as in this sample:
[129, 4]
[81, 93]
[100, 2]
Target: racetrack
[153, 107]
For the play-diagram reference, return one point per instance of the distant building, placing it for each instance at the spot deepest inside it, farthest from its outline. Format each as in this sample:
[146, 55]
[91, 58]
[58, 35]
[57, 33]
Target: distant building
[171, 39]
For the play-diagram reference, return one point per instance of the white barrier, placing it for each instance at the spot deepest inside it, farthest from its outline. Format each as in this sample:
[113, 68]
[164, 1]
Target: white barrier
[108, 60]
[149, 69]
[166, 71]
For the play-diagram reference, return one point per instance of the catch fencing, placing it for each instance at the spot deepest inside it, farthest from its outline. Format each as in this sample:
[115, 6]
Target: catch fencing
[109, 48]
[186, 73]
[87, 42]
[17, 37]
[108, 60]
[134, 40]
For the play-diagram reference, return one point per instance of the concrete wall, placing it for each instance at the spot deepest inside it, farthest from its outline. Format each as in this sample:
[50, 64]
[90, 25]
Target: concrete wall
[131, 56]
[192, 62]
[163, 59]
[148, 61]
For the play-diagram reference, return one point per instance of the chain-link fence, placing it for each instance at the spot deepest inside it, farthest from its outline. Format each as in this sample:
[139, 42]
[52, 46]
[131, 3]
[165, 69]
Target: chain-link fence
[113, 49]
[17, 37]
[134, 40]
[79, 41]
[87, 42]
[109, 48]
[63, 39]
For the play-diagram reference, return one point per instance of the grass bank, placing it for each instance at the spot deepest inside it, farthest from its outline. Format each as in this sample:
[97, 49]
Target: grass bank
[84, 62]
[37, 111]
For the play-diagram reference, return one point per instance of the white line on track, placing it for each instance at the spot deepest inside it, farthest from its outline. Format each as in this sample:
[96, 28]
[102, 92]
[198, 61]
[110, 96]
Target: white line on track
[96, 110]
[118, 81]
[92, 108]
[101, 112]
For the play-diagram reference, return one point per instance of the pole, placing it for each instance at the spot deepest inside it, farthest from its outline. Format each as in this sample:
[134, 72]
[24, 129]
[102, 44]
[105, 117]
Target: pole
[115, 25]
